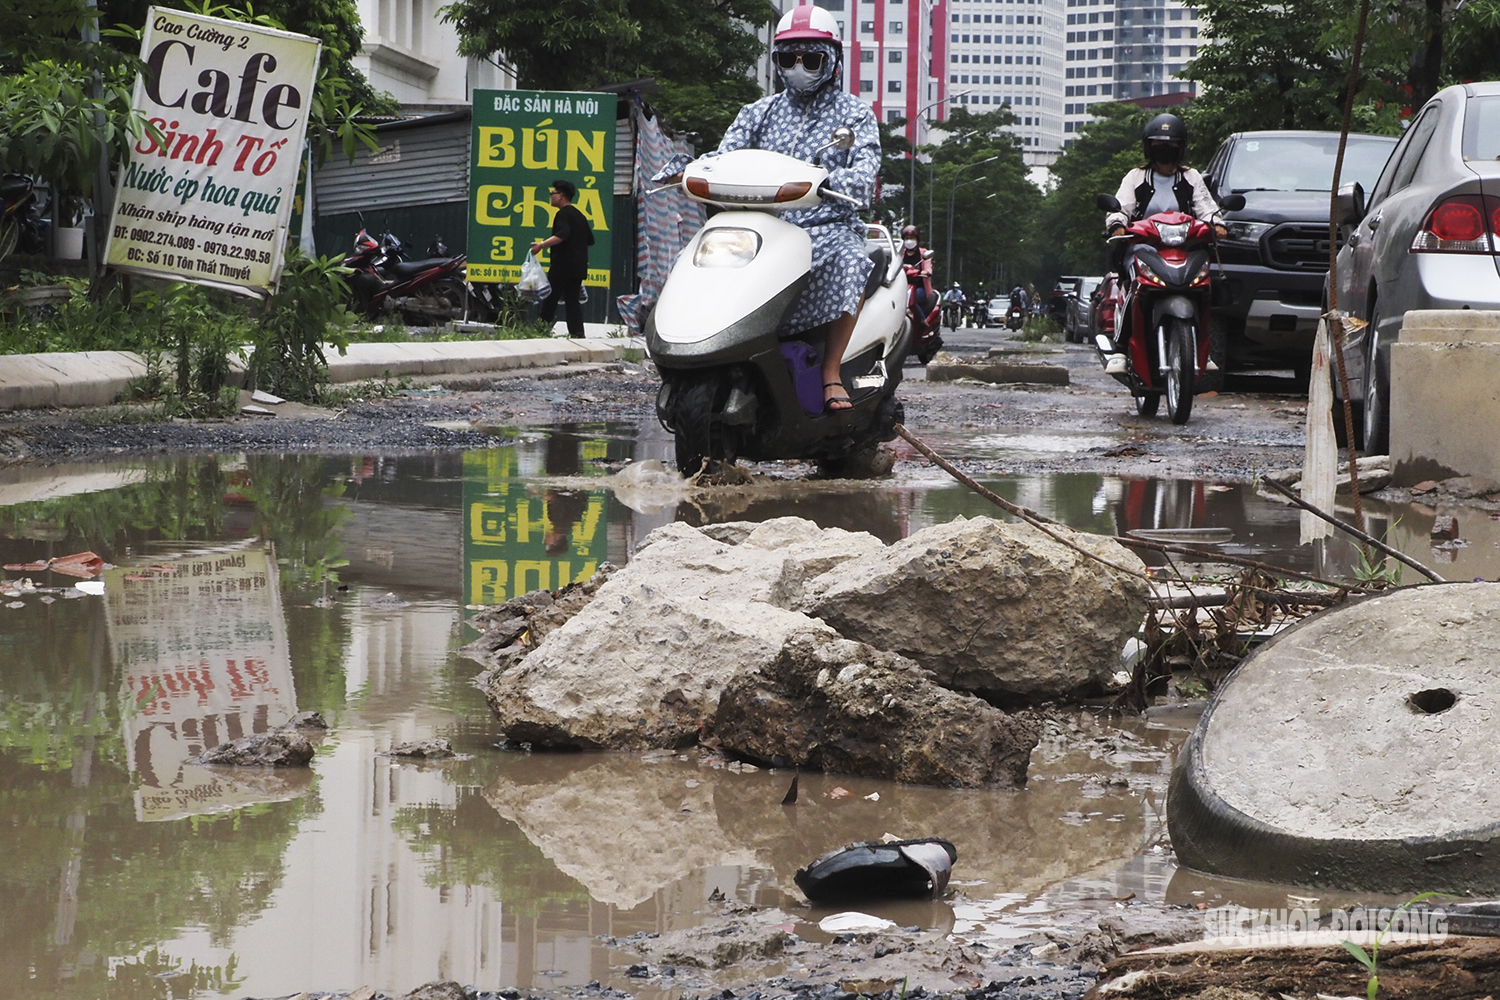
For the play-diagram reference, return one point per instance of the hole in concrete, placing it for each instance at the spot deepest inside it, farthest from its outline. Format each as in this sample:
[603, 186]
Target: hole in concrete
[1432, 701]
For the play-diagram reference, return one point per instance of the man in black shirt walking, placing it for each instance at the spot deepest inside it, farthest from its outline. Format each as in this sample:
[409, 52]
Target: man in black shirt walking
[572, 238]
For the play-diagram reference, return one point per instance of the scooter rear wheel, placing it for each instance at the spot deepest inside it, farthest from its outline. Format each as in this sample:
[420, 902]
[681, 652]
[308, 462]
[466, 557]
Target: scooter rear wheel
[1182, 368]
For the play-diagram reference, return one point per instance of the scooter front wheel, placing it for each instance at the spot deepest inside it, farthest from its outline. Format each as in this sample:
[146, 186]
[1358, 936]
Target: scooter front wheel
[1147, 403]
[701, 441]
[1182, 368]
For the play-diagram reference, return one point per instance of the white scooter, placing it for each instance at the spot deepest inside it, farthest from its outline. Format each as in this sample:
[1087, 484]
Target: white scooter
[730, 386]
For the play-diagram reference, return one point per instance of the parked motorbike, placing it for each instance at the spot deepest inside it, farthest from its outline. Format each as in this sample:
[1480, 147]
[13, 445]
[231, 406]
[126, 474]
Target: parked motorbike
[731, 386]
[1160, 311]
[21, 228]
[925, 340]
[432, 289]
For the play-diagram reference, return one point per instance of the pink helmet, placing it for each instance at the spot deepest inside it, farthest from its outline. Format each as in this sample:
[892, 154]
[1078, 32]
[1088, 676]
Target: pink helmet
[809, 23]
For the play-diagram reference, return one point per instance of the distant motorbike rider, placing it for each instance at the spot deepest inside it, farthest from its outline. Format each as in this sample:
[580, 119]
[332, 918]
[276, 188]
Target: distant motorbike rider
[808, 55]
[954, 296]
[1164, 183]
[913, 255]
[1019, 299]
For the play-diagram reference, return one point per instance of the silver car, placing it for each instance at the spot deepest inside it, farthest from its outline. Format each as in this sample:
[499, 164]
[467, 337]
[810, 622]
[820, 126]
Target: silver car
[1426, 237]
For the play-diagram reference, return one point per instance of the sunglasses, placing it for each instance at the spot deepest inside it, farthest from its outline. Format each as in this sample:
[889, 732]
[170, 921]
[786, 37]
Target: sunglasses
[811, 61]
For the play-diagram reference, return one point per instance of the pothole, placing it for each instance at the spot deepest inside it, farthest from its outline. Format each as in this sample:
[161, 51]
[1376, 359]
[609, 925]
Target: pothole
[1432, 701]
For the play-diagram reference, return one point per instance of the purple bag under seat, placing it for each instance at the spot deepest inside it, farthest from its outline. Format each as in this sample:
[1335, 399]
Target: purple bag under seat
[807, 374]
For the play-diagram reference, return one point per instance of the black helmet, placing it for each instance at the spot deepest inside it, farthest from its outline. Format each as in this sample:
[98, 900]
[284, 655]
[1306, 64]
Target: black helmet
[1165, 128]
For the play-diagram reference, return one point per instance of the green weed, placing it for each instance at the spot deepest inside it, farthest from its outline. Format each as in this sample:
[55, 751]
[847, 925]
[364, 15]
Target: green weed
[1370, 959]
[1039, 330]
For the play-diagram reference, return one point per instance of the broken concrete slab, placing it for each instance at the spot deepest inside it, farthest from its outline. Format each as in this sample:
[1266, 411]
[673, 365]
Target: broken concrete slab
[836, 705]
[277, 748]
[998, 609]
[1352, 751]
[436, 748]
[688, 614]
[999, 372]
[669, 657]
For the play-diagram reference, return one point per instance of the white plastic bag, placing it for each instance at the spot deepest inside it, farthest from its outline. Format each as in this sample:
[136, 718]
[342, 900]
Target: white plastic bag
[533, 286]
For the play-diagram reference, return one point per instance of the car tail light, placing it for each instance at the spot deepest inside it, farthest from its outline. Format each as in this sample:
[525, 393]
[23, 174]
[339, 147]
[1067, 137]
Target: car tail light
[1457, 225]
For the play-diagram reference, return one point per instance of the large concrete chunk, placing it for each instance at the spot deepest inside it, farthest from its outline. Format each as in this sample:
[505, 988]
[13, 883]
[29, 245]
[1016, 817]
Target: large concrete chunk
[840, 706]
[642, 665]
[1355, 751]
[998, 609]
[743, 561]
[637, 668]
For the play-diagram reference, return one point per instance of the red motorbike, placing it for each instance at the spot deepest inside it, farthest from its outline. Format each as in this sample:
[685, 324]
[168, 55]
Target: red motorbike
[1159, 310]
[421, 290]
[925, 340]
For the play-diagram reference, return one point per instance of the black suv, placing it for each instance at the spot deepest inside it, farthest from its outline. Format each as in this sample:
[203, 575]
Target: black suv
[1276, 254]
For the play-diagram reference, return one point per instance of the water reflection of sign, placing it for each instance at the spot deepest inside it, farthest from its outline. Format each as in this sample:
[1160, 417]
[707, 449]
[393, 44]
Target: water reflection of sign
[517, 539]
[201, 646]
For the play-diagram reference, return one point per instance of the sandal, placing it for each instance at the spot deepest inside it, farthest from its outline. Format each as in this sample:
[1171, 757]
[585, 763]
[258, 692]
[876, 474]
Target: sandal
[828, 402]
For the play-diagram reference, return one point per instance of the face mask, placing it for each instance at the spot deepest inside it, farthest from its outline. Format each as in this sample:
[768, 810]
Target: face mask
[909, 244]
[798, 78]
[1164, 155]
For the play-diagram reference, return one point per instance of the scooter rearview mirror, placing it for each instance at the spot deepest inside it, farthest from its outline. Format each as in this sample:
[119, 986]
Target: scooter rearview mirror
[843, 137]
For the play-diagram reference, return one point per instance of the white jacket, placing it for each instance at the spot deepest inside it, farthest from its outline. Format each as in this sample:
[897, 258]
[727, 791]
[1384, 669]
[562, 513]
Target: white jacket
[1204, 206]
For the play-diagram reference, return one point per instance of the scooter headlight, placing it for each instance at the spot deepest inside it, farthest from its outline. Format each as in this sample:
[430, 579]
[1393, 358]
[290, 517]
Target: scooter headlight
[727, 247]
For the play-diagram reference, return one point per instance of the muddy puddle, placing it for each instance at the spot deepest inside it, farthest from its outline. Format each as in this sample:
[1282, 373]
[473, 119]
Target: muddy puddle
[244, 589]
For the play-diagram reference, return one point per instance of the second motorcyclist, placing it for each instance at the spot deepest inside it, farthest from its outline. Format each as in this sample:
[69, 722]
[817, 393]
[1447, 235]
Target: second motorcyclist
[1164, 183]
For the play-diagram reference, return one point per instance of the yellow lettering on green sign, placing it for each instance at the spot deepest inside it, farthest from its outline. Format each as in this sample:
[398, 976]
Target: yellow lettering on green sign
[593, 152]
[488, 579]
[493, 198]
[487, 524]
[497, 146]
[592, 208]
[525, 568]
[549, 139]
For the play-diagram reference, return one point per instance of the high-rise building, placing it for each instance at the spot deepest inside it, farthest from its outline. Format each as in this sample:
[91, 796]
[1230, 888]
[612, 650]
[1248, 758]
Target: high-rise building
[1011, 52]
[1126, 50]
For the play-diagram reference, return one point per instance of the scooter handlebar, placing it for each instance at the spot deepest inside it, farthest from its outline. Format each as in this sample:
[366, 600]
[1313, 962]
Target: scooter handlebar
[831, 194]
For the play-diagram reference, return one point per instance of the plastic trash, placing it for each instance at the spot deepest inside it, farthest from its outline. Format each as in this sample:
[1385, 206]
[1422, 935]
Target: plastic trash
[880, 870]
[86, 565]
[533, 286]
[851, 922]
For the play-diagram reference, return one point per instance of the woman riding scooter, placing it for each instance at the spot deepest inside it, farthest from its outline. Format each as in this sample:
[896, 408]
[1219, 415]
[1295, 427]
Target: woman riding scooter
[1164, 183]
[808, 55]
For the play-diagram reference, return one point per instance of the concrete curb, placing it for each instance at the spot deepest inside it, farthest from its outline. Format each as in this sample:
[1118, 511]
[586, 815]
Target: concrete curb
[98, 378]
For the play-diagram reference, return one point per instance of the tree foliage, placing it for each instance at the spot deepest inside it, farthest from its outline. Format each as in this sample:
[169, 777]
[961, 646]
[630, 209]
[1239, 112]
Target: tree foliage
[994, 203]
[1108, 147]
[1286, 66]
[700, 53]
